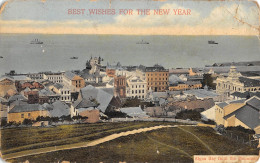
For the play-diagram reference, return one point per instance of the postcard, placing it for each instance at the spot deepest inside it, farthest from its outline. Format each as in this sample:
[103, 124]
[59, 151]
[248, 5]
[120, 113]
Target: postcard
[129, 81]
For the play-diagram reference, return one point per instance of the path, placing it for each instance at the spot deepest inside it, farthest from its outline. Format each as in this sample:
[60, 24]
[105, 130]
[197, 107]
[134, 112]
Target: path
[202, 142]
[82, 144]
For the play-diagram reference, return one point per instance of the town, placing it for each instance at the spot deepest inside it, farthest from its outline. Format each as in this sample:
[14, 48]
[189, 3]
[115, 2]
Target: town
[223, 95]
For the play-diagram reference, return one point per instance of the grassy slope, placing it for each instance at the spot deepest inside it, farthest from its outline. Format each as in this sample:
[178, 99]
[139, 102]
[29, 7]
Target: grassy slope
[18, 139]
[173, 145]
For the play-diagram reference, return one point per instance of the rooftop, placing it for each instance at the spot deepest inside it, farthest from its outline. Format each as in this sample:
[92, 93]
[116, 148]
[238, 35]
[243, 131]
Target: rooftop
[27, 108]
[249, 82]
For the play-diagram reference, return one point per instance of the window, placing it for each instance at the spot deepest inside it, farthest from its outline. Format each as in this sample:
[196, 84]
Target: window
[29, 114]
[22, 115]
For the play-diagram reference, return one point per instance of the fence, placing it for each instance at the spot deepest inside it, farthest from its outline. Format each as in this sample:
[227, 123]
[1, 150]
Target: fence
[152, 120]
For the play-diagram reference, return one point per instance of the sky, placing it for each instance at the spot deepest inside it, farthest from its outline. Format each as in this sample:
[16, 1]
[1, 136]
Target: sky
[206, 17]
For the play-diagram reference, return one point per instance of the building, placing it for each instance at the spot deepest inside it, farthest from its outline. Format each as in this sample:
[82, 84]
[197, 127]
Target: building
[186, 86]
[235, 82]
[110, 72]
[194, 104]
[120, 86]
[54, 77]
[244, 95]
[35, 76]
[73, 81]
[91, 97]
[63, 91]
[32, 85]
[136, 87]
[26, 111]
[239, 113]
[59, 109]
[157, 78]
[224, 108]
[6, 83]
[203, 94]
[134, 112]
[48, 96]
[92, 115]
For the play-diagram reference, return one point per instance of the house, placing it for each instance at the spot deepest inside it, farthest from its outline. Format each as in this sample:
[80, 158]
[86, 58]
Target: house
[50, 96]
[16, 97]
[6, 83]
[210, 113]
[73, 81]
[240, 116]
[93, 115]
[81, 105]
[193, 104]
[21, 78]
[26, 111]
[100, 98]
[62, 90]
[243, 113]
[155, 111]
[3, 109]
[204, 94]
[224, 108]
[186, 85]
[136, 87]
[32, 85]
[59, 109]
[135, 112]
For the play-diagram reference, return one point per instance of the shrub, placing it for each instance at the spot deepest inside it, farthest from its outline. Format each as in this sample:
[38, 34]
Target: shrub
[189, 114]
[3, 122]
[27, 122]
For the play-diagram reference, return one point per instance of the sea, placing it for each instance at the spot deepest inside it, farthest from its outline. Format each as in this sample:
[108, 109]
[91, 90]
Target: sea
[169, 51]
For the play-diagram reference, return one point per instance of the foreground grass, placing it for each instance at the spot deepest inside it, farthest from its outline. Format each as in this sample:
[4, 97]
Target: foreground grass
[19, 139]
[163, 145]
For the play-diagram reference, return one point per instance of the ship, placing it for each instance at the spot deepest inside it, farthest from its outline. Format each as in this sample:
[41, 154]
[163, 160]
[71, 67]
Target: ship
[1, 57]
[212, 42]
[142, 42]
[73, 57]
[36, 41]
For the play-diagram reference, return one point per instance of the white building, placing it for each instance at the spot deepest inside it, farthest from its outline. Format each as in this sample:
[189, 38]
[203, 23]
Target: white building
[136, 87]
[54, 77]
[63, 91]
[235, 82]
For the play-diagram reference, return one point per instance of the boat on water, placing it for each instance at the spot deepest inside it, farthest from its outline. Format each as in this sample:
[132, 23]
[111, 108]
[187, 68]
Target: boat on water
[1, 57]
[36, 41]
[212, 42]
[142, 42]
[73, 57]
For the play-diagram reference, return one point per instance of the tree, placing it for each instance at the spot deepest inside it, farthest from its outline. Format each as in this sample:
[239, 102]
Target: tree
[27, 122]
[188, 114]
[3, 122]
[208, 80]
